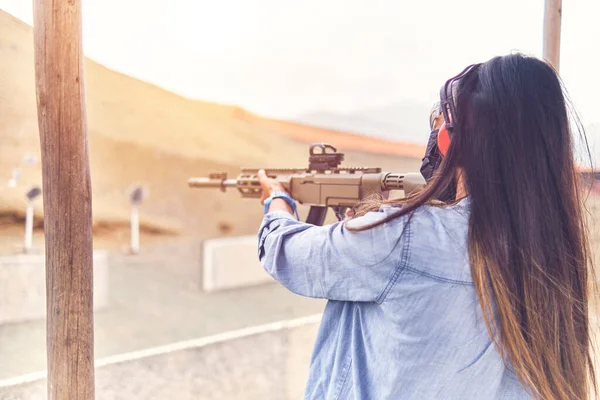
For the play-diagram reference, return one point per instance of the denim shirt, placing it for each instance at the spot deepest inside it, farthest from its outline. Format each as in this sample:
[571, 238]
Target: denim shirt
[403, 320]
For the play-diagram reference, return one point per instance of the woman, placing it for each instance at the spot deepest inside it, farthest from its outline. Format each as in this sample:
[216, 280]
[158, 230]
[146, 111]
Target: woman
[481, 297]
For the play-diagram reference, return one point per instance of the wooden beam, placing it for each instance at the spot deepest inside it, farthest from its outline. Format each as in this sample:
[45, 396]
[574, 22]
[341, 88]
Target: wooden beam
[552, 27]
[67, 198]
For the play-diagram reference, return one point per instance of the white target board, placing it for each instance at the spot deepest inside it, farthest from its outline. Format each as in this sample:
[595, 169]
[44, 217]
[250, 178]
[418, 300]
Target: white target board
[230, 263]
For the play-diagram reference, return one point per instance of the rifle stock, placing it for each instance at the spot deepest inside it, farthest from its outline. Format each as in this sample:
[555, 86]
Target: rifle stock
[323, 184]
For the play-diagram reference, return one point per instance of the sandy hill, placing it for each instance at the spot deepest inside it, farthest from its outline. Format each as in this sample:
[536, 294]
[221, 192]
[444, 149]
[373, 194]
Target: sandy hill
[141, 133]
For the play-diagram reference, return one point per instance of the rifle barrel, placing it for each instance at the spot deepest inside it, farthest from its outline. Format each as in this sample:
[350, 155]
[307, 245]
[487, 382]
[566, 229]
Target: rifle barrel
[211, 183]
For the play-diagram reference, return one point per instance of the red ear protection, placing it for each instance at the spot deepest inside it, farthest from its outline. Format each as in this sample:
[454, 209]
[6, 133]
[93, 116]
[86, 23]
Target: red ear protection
[447, 107]
[443, 139]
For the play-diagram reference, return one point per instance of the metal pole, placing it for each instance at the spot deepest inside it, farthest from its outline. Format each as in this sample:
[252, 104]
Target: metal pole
[552, 21]
[67, 198]
[29, 227]
[135, 229]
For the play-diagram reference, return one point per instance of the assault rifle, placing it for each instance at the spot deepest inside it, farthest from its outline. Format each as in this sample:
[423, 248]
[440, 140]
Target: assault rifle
[323, 184]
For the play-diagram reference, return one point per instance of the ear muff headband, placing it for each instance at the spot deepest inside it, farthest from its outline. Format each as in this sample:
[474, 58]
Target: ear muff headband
[448, 109]
[443, 139]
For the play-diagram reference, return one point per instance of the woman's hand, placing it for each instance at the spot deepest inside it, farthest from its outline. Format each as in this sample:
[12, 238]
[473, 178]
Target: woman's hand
[268, 186]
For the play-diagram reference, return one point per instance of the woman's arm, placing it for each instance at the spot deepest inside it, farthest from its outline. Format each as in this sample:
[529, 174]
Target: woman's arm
[331, 261]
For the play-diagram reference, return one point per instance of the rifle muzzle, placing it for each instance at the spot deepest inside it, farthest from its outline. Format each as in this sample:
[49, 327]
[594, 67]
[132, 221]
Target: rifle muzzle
[212, 183]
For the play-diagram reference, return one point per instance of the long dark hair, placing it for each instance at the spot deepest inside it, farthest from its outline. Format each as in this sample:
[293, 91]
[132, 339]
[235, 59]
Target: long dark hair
[528, 244]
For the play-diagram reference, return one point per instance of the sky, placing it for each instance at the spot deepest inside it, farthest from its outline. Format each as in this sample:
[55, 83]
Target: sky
[283, 58]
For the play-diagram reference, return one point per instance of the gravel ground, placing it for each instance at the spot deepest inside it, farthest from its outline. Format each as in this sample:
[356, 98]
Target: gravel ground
[155, 299]
[271, 365]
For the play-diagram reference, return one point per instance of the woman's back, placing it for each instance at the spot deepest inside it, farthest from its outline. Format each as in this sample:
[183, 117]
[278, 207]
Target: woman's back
[422, 335]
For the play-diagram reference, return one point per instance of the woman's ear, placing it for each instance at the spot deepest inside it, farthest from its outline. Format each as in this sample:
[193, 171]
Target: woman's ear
[437, 121]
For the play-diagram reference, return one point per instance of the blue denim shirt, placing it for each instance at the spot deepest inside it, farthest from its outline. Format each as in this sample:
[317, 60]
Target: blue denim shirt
[403, 320]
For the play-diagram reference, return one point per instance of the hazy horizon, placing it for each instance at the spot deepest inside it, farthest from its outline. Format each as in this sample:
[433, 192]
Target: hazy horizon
[342, 60]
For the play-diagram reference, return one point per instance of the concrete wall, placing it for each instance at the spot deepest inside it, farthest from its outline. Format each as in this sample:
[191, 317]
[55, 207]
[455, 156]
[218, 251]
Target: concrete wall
[23, 286]
[265, 362]
[231, 263]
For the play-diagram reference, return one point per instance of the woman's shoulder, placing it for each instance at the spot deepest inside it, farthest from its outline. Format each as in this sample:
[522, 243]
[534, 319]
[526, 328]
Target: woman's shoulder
[441, 215]
[434, 236]
[434, 214]
[439, 242]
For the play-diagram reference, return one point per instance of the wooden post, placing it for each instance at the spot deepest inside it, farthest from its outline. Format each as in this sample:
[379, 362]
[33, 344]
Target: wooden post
[552, 21]
[67, 198]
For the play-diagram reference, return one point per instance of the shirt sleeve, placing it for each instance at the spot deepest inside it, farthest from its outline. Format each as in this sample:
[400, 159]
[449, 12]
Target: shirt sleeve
[331, 261]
